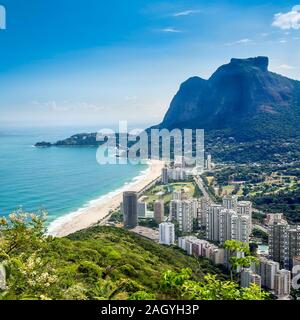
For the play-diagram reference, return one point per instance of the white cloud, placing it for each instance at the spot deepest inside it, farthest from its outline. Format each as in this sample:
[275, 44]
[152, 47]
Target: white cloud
[286, 67]
[171, 30]
[185, 13]
[242, 41]
[289, 20]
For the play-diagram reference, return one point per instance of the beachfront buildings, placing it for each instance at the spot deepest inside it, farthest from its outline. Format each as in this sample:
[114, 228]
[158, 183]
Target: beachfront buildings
[284, 243]
[164, 175]
[167, 233]
[159, 211]
[129, 209]
[173, 174]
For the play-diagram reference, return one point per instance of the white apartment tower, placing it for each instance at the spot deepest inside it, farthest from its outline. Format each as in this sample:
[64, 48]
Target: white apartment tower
[282, 283]
[267, 269]
[212, 222]
[185, 217]
[167, 233]
[248, 277]
[245, 208]
[225, 224]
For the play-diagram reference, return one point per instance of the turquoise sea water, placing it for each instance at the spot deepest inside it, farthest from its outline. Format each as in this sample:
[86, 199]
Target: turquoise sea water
[59, 180]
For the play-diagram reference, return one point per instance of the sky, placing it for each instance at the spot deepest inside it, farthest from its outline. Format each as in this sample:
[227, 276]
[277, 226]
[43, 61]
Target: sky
[95, 62]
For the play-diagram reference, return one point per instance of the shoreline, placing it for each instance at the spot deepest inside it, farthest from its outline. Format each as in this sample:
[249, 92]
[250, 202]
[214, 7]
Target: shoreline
[100, 208]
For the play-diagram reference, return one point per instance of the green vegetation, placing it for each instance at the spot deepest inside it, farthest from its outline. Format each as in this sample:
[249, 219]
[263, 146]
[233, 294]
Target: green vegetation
[164, 192]
[225, 148]
[272, 187]
[180, 285]
[103, 263]
[263, 236]
[233, 247]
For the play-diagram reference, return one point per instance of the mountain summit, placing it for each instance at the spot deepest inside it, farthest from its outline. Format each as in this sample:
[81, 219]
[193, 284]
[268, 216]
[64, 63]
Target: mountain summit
[242, 98]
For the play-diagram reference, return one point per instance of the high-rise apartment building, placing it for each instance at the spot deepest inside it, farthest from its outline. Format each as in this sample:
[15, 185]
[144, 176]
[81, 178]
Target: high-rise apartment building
[226, 224]
[159, 211]
[129, 208]
[167, 233]
[212, 222]
[164, 175]
[282, 284]
[248, 277]
[185, 216]
[267, 269]
[244, 208]
[284, 243]
[142, 209]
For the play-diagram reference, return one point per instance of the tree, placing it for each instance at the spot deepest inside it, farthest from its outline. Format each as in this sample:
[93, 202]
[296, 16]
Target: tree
[183, 287]
[234, 247]
[19, 230]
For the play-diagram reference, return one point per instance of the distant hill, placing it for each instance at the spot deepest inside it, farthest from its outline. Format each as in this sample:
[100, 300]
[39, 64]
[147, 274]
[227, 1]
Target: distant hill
[241, 98]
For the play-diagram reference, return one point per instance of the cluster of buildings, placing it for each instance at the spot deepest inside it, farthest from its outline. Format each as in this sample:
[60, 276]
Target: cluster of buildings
[174, 174]
[180, 171]
[132, 208]
[184, 211]
[233, 221]
[284, 243]
[229, 221]
[267, 273]
[202, 248]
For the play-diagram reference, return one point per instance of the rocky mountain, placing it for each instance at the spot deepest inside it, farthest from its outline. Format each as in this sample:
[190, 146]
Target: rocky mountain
[242, 98]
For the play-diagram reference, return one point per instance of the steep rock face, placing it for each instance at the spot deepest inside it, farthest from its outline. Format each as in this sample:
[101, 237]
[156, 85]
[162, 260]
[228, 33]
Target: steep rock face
[240, 97]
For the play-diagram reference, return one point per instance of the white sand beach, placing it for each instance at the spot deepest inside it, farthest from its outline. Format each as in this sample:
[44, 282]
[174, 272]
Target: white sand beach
[99, 209]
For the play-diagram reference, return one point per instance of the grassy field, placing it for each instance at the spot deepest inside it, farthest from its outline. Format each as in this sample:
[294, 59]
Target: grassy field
[164, 192]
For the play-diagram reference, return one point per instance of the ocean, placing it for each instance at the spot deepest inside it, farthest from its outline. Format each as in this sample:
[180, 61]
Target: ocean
[60, 180]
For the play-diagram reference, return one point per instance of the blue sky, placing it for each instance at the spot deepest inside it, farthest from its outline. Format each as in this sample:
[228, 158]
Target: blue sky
[95, 62]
